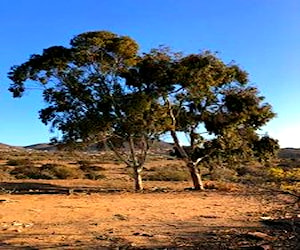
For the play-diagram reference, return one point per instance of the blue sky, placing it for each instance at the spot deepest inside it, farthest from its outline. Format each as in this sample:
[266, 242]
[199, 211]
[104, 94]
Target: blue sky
[262, 36]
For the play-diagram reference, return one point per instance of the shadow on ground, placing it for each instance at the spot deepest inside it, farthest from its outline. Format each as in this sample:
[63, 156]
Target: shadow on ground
[211, 238]
[46, 188]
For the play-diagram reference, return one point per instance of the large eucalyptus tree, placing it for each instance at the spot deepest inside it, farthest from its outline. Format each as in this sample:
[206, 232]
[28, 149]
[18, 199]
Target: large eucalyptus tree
[87, 98]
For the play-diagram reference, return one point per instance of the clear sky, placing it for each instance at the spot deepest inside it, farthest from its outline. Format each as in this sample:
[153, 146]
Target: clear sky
[262, 36]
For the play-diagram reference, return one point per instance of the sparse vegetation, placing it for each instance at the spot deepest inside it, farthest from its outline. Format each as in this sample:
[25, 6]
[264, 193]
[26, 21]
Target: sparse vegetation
[19, 162]
[166, 174]
[27, 172]
[162, 174]
[46, 171]
[56, 171]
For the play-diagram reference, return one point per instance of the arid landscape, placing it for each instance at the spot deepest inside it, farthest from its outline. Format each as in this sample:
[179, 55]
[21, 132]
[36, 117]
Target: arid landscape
[106, 213]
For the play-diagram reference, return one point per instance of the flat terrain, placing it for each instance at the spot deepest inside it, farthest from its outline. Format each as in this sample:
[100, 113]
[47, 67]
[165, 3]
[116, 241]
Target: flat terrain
[145, 220]
[108, 214]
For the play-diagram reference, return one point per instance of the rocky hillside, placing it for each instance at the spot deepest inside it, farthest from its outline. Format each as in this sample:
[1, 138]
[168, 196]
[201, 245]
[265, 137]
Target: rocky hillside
[289, 153]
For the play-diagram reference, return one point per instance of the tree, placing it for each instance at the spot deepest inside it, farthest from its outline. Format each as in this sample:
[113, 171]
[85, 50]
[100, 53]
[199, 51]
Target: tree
[88, 99]
[200, 92]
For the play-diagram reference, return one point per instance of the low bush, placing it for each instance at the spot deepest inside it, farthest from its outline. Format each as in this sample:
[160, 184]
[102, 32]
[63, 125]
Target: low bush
[167, 174]
[94, 175]
[27, 172]
[276, 174]
[85, 165]
[19, 162]
[56, 171]
[223, 173]
[46, 171]
[4, 175]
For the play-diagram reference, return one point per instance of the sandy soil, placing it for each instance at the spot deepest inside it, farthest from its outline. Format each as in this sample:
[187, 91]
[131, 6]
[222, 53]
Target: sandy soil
[152, 220]
[107, 214]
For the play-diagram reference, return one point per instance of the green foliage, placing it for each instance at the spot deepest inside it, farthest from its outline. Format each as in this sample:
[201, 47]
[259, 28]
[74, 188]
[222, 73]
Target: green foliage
[82, 84]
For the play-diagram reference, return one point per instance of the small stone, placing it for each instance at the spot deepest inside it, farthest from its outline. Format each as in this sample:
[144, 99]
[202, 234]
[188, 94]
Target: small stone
[266, 247]
[28, 225]
[35, 210]
[120, 217]
[17, 224]
[101, 237]
[147, 235]
[260, 235]
[266, 218]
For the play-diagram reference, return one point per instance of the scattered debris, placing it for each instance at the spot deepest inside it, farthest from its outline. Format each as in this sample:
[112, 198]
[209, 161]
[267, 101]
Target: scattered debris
[15, 226]
[143, 234]
[208, 216]
[120, 217]
[260, 236]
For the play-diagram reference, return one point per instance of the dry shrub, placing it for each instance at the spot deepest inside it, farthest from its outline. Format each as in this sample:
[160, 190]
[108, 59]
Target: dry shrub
[94, 175]
[276, 174]
[295, 187]
[85, 165]
[46, 171]
[167, 174]
[222, 173]
[4, 175]
[91, 171]
[56, 171]
[19, 162]
[27, 172]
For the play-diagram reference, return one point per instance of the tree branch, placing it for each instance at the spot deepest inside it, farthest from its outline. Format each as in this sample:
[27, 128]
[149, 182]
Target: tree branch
[111, 146]
[132, 151]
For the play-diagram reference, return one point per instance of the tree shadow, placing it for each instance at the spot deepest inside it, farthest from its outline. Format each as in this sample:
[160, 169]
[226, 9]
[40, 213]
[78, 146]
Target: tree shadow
[46, 188]
[188, 237]
[255, 238]
[100, 242]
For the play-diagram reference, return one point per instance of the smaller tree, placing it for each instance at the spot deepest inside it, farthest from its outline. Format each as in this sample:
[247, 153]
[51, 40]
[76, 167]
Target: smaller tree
[200, 92]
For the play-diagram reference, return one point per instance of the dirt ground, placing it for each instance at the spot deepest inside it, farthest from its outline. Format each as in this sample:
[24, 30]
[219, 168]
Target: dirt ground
[108, 214]
[123, 220]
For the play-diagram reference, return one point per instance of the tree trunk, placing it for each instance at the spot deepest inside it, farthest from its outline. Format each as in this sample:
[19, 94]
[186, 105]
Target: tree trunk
[138, 183]
[196, 176]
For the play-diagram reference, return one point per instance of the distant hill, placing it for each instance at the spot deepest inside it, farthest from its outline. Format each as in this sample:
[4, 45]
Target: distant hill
[42, 146]
[289, 153]
[6, 147]
[157, 147]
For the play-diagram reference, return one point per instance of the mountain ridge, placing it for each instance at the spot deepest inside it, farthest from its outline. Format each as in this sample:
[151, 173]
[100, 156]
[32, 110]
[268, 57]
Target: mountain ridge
[289, 152]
